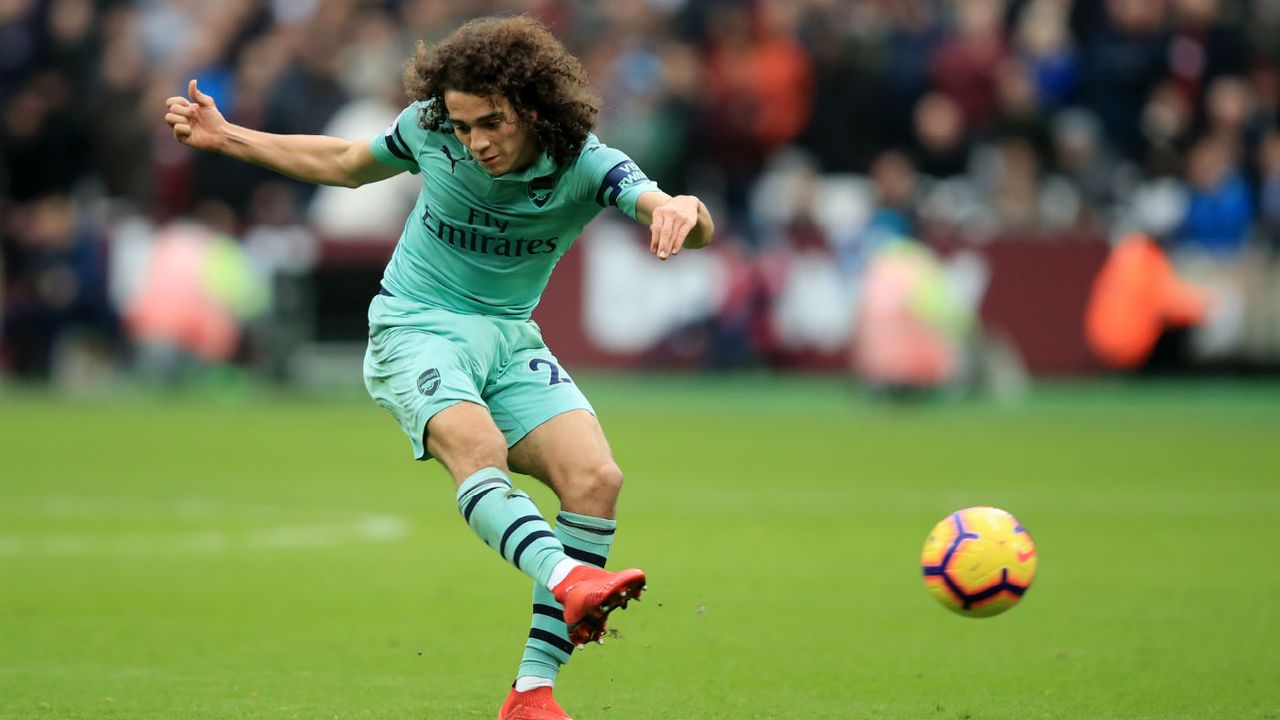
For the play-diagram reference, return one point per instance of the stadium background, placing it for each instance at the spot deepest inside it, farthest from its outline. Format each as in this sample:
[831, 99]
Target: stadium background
[202, 515]
[1027, 136]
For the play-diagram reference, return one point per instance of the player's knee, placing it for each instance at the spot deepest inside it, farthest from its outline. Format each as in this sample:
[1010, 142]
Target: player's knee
[488, 451]
[606, 480]
[464, 456]
[594, 488]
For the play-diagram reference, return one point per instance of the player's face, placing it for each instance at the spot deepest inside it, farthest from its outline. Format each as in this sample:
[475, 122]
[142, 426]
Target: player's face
[492, 131]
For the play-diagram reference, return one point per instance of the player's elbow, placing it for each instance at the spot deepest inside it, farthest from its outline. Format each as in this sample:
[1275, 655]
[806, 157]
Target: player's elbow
[350, 169]
[342, 174]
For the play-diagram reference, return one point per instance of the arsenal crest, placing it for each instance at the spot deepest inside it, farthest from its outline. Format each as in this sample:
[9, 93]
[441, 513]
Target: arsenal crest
[540, 190]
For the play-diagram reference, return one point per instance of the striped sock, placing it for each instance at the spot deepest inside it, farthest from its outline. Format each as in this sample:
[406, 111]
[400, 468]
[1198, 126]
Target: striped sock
[587, 539]
[508, 521]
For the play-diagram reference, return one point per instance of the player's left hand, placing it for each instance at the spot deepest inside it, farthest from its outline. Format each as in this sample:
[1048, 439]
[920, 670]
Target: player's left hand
[671, 224]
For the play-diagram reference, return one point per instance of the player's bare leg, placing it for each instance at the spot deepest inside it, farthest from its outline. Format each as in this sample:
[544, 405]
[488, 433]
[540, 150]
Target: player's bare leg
[569, 453]
[465, 439]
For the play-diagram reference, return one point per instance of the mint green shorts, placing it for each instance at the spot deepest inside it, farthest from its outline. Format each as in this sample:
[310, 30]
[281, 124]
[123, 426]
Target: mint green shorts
[421, 360]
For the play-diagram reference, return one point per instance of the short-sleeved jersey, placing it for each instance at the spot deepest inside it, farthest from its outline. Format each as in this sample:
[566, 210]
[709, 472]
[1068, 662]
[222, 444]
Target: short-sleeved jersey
[486, 245]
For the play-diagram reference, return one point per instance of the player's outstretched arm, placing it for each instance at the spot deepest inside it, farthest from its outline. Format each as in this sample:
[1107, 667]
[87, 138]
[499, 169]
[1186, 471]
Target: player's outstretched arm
[674, 223]
[197, 123]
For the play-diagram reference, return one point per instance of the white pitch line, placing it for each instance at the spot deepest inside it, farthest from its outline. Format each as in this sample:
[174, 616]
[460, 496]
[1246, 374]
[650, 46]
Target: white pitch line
[371, 528]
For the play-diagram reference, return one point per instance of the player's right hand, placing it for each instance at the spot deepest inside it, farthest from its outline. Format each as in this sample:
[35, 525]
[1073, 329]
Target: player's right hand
[195, 120]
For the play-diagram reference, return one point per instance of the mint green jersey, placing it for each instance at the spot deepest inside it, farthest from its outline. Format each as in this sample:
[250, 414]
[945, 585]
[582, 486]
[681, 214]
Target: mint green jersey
[486, 245]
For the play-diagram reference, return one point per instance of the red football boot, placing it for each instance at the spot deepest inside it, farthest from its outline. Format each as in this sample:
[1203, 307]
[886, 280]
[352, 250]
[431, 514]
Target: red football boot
[536, 704]
[589, 594]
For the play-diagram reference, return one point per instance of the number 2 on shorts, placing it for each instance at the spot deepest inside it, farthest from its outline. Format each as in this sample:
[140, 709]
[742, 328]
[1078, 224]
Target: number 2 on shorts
[535, 363]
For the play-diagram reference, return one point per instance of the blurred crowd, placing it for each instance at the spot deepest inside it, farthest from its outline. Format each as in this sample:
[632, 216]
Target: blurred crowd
[826, 123]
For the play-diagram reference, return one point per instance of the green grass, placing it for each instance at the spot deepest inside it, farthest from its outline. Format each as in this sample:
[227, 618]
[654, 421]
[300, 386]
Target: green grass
[282, 557]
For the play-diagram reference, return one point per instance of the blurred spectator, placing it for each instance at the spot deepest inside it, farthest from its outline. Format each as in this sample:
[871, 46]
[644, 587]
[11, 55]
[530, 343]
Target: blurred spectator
[1230, 112]
[1166, 124]
[1018, 113]
[41, 139]
[1017, 185]
[1080, 156]
[1122, 62]
[1262, 25]
[1202, 48]
[848, 125]
[1269, 205]
[370, 76]
[72, 45]
[894, 178]
[1268, 293]
[195, 294]
[55, 288]
[757, 95]
[650, 86]
[913, 28]
[21, 41]
[1229, 107]
[1219, 207]
[910, 328]
[964, 64]
[1045, 47]
[121, 135]
[1022, 195]
[942, 145]
[1135, 298]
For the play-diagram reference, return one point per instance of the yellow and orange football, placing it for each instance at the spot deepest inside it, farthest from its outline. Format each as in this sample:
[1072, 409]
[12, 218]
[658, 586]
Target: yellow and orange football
[979, 561]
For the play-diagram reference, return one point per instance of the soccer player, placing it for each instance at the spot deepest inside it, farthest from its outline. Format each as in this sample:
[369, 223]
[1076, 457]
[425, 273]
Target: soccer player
[500, 130]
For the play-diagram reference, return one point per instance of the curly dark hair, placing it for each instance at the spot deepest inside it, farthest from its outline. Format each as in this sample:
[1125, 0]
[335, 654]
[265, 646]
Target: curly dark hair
[516, 58]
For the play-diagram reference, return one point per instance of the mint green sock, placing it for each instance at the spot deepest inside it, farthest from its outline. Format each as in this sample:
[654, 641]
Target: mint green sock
[586, 539]
[508, 521]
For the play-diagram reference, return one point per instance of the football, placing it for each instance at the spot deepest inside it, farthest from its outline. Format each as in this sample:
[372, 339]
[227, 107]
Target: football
[979, 561]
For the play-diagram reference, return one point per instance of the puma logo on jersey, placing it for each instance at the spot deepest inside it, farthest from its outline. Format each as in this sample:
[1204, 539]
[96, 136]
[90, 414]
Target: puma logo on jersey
[452, 163]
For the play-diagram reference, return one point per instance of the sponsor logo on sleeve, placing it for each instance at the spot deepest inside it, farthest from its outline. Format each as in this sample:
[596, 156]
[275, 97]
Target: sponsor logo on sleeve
[623, 176]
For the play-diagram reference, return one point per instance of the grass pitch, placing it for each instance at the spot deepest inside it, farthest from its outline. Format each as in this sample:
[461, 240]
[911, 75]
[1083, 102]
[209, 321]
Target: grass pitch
[282, 557]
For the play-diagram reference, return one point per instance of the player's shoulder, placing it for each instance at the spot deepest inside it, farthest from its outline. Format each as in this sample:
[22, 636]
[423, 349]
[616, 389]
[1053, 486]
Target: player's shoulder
[411, 130]
[419, 115]
[595, 158]
[592, 148]
[409, 137]
[602, 174]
